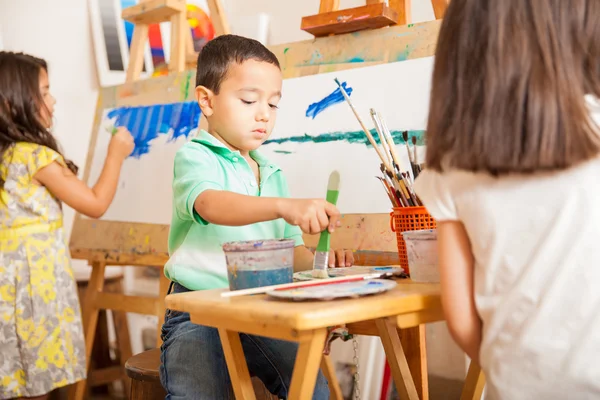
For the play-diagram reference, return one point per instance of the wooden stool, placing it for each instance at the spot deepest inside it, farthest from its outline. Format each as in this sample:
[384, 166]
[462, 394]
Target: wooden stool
[375, 14]
[143, 371]
[145, 382]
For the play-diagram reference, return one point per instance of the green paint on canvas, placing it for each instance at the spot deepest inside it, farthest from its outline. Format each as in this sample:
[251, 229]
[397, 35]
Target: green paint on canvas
[355, 137]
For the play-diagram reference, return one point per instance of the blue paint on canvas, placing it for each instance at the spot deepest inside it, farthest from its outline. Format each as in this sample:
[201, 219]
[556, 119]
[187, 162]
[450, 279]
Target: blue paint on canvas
[336, 97]
[178, 120]
[352, 137]
[147, 122]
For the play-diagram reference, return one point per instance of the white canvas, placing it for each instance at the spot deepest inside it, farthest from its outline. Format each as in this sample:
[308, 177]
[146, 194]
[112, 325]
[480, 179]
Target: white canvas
[399, 91]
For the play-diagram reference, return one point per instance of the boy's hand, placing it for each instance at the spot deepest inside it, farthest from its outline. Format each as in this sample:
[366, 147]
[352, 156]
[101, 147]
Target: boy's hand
[311, 215]
[340, 258]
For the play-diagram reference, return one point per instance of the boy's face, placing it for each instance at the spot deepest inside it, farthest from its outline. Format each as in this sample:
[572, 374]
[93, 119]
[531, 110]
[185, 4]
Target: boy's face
[243, 114]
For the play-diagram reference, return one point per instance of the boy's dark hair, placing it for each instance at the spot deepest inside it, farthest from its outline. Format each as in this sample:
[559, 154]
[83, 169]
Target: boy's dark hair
[509, 83]
[218, 54]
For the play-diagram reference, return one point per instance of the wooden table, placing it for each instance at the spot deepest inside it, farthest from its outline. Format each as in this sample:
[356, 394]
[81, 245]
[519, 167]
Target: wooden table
[408, 305]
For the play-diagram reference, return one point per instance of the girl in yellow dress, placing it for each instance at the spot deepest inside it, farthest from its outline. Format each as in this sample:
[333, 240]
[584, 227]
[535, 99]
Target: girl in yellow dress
[41, 337]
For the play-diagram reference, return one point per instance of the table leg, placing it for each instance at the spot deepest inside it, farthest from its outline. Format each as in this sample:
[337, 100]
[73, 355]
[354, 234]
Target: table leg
[396, 359]
[236, 364]
[90, 319]
[306, 367]
[474, 383]
[413, 344]
[335, 392]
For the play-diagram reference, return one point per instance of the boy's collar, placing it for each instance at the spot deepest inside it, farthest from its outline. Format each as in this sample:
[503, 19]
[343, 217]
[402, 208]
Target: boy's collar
[209, 140]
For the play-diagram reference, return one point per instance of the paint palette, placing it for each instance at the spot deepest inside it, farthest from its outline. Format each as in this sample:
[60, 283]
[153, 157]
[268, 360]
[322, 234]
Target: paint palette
[335, 290]
[395, 272]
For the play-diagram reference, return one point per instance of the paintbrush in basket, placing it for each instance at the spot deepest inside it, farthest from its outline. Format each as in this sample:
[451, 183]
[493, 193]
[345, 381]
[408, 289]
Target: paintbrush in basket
[364, 128]
[416, 167]
[321, 260]
[392, 196]
[390, 141]
[406, 179]
[405, 137]
[380, 132]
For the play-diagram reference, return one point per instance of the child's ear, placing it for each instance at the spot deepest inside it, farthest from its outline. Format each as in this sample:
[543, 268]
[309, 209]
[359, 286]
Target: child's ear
[204, 97]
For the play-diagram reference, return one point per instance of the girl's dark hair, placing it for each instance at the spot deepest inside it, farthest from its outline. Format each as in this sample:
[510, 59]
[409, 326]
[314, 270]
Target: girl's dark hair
[508, 86]
[219, 54]
[20, 104]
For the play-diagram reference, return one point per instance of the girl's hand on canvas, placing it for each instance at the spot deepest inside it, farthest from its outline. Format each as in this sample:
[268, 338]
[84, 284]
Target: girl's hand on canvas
[340, 258]
[121, 144]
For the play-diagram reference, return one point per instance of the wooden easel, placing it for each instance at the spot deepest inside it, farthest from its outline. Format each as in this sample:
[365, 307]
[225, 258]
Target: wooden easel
[149, 12]
[375, 14]
[144, 14]
[104, 242]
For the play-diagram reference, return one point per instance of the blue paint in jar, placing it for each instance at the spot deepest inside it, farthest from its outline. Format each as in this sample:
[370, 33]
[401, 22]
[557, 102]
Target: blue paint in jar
[247, 279]
[258, 263]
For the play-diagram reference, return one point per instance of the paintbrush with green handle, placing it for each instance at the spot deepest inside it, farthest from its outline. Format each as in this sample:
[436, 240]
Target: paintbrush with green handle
[321, 259]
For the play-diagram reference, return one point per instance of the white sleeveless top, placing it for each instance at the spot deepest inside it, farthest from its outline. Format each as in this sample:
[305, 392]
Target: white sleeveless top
[536, 244]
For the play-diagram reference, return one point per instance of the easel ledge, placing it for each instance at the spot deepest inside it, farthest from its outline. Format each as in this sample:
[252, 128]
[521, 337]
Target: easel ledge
[376, 236]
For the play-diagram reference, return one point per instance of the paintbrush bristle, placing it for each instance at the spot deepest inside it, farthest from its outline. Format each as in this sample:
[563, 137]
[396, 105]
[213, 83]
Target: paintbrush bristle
[405, 136]
[320, 263]
[414, 140]
[320, 274]
[338, 82]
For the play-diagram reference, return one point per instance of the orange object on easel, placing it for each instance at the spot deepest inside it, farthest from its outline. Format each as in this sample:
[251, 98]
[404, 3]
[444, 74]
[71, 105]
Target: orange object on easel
[149, 12]
[375, 14]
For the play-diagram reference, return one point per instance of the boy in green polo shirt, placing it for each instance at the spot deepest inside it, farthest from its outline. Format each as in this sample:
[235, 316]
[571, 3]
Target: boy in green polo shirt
[225, 190]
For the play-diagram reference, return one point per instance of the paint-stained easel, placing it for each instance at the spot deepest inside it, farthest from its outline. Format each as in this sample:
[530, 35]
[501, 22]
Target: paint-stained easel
[375, 14]
[149, 12]
[142, 15]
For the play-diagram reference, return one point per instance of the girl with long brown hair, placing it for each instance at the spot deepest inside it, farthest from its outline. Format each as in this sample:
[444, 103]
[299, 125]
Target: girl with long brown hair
[513, 180]
[41, 338]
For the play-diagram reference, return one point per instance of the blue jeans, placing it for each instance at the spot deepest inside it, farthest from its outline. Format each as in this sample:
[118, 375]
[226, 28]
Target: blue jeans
[193, 365]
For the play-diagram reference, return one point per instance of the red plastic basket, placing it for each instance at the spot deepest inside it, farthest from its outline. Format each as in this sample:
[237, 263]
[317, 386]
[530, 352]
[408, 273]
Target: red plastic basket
[404, 219]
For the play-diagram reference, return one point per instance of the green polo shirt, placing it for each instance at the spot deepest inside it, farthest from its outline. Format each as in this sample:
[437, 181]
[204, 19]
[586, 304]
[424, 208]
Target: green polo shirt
[196, 257]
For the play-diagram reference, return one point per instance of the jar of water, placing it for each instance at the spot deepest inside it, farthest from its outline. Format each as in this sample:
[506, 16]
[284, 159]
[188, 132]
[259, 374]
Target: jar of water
[257, 263]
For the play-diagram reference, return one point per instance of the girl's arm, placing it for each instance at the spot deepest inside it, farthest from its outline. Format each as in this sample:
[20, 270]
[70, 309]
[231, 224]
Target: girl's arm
[456, 272]
[92, 202]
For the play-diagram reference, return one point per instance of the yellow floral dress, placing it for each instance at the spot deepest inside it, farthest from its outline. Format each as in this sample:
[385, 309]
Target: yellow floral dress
[41, 337]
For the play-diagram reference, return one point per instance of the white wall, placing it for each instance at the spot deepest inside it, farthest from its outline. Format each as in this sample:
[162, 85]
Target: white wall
[59, 31]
